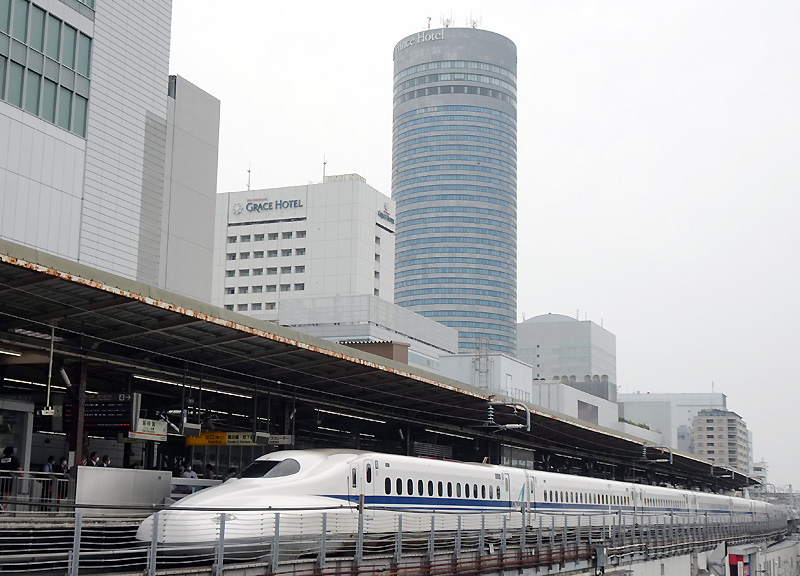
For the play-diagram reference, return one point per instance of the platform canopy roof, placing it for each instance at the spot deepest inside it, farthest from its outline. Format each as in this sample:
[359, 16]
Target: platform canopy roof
[125, 329]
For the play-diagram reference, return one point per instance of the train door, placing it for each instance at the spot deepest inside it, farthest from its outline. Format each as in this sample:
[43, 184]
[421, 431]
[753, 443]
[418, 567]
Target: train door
[636, 503]
[507, 490]
[360, 485]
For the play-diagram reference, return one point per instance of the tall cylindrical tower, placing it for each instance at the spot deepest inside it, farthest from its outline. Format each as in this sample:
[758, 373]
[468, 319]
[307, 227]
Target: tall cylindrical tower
[454, 179]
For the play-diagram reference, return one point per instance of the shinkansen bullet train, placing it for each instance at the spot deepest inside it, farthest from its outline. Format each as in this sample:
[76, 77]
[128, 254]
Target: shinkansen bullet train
[345, 483]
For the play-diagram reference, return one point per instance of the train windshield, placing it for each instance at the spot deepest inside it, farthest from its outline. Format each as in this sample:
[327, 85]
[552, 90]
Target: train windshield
[271, 468]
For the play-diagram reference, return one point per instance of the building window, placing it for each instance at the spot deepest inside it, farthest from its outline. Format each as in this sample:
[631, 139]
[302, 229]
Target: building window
[244, 238]
[286, 269]
[300, 252]
[271, 287]
[269, 306]
[272, 271]
[243, 289]
[272, 253]
[244, 272]
[377, 239]
[228, 306]
[377, 257]
[286, 235]
[286, 252]
[242, 307]
[230, 256]
[300, 286]
[299, 269]
[230, 290]
[255, 306]
[258, 271]
[258, 237]
[301, 233]
[376, 292]
[230, 273]
[231, 239]
[258, 289]
[244, 255]
[258, 254]
[272, 236]
[286, 287]
[377, 275]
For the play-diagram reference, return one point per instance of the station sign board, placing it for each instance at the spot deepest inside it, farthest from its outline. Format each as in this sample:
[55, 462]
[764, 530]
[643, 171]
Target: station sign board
[147, 429]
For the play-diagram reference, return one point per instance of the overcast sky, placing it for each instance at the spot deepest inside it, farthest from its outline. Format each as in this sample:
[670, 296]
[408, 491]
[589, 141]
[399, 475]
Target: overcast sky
[658, 181]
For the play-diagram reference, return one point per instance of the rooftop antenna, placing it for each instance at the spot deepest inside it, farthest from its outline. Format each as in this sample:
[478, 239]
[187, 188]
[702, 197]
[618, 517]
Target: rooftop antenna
[429, 22]
[473, 22]
[447, 21]
[324, 162]
[248, 177]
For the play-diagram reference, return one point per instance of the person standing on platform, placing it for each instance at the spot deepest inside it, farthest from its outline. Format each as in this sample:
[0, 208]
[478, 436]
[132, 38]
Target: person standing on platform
[106, 461]
[9, 464]
[63, 482]
[209, 472]
[188, 472]
[94, 458]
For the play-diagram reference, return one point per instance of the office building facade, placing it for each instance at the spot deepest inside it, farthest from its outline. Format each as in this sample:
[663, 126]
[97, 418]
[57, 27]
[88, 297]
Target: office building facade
[671, 413]
[454, 179]
[579, 353]
[85, 138]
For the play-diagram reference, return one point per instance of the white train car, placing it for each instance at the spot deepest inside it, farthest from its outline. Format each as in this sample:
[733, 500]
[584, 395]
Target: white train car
[379, 487]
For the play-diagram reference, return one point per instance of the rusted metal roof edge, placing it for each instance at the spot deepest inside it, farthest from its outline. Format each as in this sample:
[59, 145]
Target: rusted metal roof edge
[240, 326]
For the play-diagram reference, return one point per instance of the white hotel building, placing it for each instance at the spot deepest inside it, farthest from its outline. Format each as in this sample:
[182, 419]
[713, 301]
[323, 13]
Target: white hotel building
[320, 258]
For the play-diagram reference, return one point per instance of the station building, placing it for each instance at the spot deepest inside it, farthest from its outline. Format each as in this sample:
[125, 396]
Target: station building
[320, 258]
[454, 178]
[105, 160]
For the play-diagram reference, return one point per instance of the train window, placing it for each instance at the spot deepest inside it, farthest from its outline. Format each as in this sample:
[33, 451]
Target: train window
[430, 487]
[420, 487]
[440, 489]
[562, 497]
[466, 490]
[354, 477]
[271, 468]
[458, 489]
[388, 486]
[483, 491]
[491, 493]
[449, 489]
[498, 492]
[572, 496]
[369, 473]
[410, 485]
[475, 490]
[581, 497]
[545, 495]
[399, 486]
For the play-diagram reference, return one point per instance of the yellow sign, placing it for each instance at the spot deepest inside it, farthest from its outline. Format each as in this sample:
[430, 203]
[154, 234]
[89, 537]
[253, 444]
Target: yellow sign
[208, 439]
[221, 439]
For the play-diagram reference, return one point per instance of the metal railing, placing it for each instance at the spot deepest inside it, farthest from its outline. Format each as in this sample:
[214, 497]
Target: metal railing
[74, 541]
[36, 491]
